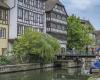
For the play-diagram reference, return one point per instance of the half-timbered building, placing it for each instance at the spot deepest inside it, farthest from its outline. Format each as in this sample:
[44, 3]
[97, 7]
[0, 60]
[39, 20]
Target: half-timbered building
[56, 23]
[25, 14]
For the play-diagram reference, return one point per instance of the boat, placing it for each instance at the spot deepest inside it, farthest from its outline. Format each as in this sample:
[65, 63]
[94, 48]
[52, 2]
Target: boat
[95, 68]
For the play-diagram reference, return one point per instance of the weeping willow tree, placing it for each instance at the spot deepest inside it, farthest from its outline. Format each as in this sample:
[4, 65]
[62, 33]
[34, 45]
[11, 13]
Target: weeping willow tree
[39, 44]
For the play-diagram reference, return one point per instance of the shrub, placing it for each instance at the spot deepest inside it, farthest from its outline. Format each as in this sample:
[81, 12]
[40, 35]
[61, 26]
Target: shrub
[4, 60]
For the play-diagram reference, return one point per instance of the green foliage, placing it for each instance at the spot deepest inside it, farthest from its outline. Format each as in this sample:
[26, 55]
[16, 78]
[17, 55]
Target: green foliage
[78, 35]
[4, 60]
[36, 43]
[91, 78]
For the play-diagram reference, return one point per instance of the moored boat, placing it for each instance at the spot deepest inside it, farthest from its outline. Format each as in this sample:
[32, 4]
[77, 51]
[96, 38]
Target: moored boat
[95, 68]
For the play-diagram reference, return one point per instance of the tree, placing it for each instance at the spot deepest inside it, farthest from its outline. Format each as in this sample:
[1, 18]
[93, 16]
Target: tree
[78, 34]
[38, 44]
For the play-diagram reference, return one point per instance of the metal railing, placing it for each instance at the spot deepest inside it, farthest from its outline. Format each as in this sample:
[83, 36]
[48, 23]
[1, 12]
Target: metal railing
[76, 52]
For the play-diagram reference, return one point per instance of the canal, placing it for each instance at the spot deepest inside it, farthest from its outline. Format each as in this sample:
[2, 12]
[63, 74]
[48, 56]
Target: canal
[47, 74]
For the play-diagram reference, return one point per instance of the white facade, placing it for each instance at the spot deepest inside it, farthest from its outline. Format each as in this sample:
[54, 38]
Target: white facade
[24, 14]
[15, 21]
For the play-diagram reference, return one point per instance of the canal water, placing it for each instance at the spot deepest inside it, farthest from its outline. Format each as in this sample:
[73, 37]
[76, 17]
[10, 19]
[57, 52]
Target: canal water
[47, 74]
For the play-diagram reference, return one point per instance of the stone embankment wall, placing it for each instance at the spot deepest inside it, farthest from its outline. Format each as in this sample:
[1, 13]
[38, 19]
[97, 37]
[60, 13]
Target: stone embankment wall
[22, 67]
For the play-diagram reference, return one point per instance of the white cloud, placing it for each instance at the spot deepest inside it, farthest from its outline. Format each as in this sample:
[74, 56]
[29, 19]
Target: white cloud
[82, 4]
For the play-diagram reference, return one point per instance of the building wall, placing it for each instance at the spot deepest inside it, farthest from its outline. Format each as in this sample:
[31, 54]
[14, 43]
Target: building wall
[56, 25]
[4, 41]
[97, 36]
[18, 22]
[13, 19]
[4, 16]
[15, 22]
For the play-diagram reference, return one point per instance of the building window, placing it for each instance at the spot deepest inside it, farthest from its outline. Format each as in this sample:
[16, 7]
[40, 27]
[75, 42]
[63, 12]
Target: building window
[2, 32]
[59, 27]
[35, 18]
[20, 0]
[27, 2]
[59, 17]
[20, 13]
[59, 7]
[36, 3]
[64, 18]
[41, 19]
[53, 25]
[20, 30]
[48, 24]
[26, 15]
[53, 15]
[63, 50]
[3, 16]
[31, 13]
[41, 5]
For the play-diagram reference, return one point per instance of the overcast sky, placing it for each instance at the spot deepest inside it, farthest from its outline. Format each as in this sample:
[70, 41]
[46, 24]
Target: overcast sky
[86, 9]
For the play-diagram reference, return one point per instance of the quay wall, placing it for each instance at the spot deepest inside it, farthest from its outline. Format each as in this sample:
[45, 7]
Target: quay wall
[22, 67]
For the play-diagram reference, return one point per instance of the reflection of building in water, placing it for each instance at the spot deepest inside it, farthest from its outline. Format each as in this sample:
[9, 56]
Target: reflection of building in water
[72, 71]
[69, 74]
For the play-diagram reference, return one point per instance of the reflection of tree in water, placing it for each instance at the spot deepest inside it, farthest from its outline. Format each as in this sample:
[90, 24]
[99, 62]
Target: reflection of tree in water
[28, 75]
[45, 74]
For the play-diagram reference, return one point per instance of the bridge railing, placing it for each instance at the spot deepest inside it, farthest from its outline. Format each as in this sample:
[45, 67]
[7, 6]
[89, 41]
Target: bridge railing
[76, 52]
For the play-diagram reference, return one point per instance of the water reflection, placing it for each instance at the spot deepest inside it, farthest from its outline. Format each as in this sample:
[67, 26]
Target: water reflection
[46, 74]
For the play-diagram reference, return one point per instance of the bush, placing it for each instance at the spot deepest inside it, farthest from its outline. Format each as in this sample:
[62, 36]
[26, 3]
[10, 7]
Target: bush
[39, 45]
[4, 60]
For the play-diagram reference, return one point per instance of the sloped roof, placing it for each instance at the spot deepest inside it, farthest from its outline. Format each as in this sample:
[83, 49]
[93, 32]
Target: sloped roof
[4, 5]
[87, 22]
[50, 4]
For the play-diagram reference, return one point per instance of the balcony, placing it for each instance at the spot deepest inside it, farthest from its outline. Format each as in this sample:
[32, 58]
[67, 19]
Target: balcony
[57, 20]
[59, 11]
[56, 31]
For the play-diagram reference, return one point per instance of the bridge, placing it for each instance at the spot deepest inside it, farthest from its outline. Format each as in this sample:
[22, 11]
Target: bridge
[66, 56]
[76, 59]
